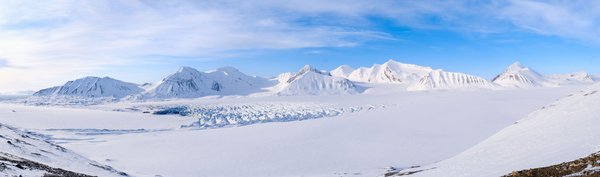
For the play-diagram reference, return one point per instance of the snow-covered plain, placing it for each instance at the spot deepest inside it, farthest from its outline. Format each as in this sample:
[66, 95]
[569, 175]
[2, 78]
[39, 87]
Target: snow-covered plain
[559, 132]
[410, 128]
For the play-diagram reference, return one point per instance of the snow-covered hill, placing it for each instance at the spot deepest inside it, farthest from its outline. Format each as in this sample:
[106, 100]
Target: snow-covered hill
[27, 154]
[188, 82]
[519, 76]
[439, 79]
[596, 77]
[576, 78]
[390, 72]
[559, 132]
[92, 87]
[343, 71]
[235, 82]
[310, 81]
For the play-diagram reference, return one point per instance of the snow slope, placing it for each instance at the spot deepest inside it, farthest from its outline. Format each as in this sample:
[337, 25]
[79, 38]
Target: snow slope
[343, 71]
[439, 79]
[559, 132]
[92, 87]
[390, 72]
[519, 76]
[28, 154]
[310, 81]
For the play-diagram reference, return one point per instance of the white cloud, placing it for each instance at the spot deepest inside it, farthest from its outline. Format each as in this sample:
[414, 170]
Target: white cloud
[58, 39]
[568, 19]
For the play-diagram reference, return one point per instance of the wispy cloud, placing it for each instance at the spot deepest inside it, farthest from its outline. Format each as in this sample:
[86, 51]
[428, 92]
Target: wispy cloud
[55, 39]
[568, 19]
[61, 37]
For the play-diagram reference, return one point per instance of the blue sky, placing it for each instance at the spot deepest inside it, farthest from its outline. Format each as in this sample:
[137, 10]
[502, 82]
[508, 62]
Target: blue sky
[47, 43]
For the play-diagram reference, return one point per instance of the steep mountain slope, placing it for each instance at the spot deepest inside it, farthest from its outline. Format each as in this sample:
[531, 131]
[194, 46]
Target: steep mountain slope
[24, 153]
[439, 79]
[343, 71]
[560, 132]
[519, 76]
[390, 72]
[188, 82]
[310, 81]
[92, 87]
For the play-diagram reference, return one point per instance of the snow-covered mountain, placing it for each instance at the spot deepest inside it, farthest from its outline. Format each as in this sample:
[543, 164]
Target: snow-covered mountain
[27, 154]
[310, 81]
[439, 79]
[559, 132]
[188, 82]
[92, 87]
[519, 76]
[576, 78]
[235, 82]
[390, 72]
[284, 77]
[343, 71]
[596, 77]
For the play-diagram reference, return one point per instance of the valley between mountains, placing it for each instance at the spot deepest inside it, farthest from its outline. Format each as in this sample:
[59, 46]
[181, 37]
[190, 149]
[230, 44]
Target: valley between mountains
[389, 119]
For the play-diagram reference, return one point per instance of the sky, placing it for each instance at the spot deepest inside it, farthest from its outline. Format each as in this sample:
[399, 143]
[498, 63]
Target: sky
[46, 43]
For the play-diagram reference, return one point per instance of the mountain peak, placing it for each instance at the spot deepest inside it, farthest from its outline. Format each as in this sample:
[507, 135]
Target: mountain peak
[344, 67]
[390, 72]
[308, 68]
[391, 61]
[519, 76]
[342, 71]
[311, 81]
[92, 86]
[186, 69]
[516, 66]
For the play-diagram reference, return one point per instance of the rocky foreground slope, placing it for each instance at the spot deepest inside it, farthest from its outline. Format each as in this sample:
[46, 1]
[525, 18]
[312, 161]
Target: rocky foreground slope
[28, 154]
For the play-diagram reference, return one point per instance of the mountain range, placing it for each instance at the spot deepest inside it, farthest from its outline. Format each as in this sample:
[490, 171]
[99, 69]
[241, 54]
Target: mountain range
[188, 82]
